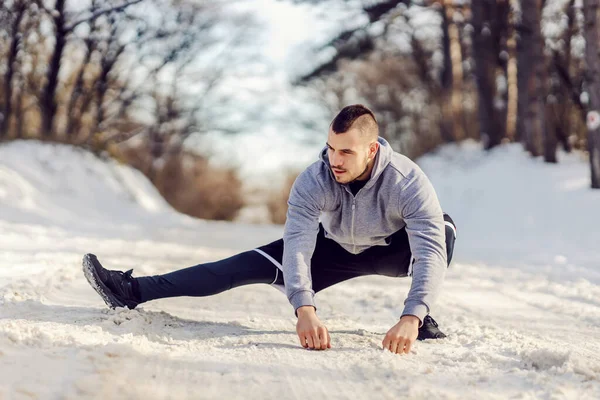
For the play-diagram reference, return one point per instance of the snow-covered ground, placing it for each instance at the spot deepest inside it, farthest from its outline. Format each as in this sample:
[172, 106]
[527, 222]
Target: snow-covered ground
[521, 302]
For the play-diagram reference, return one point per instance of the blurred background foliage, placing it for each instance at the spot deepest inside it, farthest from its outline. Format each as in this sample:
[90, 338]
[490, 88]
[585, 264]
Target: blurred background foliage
[144, 80]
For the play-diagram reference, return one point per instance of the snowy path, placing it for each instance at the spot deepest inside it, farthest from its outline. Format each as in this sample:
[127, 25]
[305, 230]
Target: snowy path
[510, 334]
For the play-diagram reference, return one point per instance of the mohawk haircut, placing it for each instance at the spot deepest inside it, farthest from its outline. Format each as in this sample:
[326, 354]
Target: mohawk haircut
[350, 117]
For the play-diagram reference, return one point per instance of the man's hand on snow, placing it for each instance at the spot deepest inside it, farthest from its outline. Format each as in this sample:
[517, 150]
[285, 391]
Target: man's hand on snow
[311, 332]
[401, 336]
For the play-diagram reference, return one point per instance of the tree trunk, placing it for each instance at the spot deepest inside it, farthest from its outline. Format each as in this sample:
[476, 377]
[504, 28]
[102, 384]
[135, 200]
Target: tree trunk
[10, 68]
[489, 22]
[19, 114]
[456, 61]
[447, 121]
[48, 103]
[501, 23]
[74, 117]
[512, 93]
[531, 77]
[552, 130]
[593, 87]
[74, 113]
[562, 130]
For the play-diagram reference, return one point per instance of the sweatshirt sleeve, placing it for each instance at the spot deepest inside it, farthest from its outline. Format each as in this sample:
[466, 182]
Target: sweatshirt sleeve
[422, 213]
[305, 203]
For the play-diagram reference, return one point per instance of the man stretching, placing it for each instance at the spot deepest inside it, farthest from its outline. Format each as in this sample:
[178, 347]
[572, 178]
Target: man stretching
[362, 209]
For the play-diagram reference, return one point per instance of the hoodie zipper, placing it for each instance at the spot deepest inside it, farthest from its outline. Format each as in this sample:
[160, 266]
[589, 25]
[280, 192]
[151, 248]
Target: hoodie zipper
[353, 213]
[352, 228]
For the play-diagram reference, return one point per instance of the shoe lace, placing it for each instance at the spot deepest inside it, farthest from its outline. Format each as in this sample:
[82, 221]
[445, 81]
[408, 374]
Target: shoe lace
[120, 280]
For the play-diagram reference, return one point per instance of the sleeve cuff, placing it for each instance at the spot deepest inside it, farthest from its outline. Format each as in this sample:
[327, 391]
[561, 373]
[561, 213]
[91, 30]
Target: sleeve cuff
[302, 298]
[419, 310]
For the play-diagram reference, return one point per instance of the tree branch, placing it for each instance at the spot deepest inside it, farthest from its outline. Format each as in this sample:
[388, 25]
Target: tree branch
[99, 13]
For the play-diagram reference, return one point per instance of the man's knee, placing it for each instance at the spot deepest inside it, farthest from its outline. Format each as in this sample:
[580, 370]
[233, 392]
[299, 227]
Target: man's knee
[450, 236]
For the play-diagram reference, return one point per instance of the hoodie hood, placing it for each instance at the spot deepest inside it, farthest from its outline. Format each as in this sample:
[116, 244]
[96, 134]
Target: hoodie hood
[382, 159]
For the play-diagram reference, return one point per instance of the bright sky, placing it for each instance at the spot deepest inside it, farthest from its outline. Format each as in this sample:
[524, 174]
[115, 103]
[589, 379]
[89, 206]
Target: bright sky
[289, 25]
[291, 29]
[288, 32]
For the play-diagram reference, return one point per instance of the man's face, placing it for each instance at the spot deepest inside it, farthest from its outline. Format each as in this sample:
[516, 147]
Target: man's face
[349, 154]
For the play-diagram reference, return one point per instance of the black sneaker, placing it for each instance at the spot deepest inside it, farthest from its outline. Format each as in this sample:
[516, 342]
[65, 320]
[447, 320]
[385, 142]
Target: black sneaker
[115, 287]
[430, 330]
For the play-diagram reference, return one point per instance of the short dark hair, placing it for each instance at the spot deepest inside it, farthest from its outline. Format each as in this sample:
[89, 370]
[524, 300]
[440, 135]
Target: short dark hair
[349, 114]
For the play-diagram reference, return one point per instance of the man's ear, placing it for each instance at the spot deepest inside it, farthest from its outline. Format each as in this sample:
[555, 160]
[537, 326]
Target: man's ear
[374, 148]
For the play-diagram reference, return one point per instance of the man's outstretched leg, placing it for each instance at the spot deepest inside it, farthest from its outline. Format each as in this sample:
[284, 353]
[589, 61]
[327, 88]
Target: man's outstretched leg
[120, 289]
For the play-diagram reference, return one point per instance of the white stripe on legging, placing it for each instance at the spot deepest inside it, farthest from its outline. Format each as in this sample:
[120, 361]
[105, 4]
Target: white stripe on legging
[274, 261]
[451, 226]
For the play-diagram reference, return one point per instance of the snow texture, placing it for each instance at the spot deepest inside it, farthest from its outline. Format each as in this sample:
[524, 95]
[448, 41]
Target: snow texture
[520, 305]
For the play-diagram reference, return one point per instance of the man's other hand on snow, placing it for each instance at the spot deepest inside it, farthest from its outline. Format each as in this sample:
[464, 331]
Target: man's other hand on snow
[401, 336]
[311, 332]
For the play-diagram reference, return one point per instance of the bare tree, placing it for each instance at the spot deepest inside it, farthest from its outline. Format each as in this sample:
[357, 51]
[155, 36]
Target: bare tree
[565, 91]
[75, 113]
[452, 124]
[62, 29]
[531, 76]
[353, 43]
[591, 32]
[113, 50]
[16, 14]
[490, 23]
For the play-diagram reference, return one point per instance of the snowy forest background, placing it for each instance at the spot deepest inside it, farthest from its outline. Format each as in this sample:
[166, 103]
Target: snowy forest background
[221, 103]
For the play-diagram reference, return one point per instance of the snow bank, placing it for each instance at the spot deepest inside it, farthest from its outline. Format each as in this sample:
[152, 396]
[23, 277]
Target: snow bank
[510, 208]
[58, 185]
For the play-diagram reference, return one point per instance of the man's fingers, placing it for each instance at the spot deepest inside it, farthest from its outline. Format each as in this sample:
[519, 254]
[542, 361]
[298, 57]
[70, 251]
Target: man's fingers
[398, 345]
[324, 338]
[400, 348]
[302, 339]
[319, 340]
[408, 346]
[403, 336]
[393, 345]
[386, 343]
[309, 339]
[316, 341]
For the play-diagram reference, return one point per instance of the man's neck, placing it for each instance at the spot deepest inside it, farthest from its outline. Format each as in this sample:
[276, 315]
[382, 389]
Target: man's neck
[367, 172]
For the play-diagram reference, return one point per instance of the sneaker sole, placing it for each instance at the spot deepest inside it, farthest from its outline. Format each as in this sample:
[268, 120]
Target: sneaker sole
[442, 336]
[90, 273]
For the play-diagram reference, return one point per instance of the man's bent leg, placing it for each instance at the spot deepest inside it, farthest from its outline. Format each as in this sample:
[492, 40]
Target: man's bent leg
[395, 260]
[330, 263]
[209, 278]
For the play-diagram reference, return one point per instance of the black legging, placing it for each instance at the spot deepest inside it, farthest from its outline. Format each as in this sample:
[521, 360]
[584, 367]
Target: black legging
[330, 264]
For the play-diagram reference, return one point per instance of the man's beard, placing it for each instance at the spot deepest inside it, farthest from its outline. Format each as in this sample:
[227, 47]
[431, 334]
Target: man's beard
[361, 174]
[357, 176]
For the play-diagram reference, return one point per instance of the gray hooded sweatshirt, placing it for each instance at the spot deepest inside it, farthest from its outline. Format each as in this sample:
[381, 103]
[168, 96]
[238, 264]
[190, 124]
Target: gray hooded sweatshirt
[397, 195]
